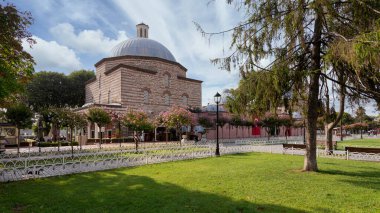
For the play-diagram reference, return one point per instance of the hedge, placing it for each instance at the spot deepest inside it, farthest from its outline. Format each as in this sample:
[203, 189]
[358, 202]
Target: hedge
[60, 143]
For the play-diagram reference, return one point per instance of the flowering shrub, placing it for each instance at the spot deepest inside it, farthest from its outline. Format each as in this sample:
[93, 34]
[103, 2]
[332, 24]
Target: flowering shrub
[137, 121]
[175, 117]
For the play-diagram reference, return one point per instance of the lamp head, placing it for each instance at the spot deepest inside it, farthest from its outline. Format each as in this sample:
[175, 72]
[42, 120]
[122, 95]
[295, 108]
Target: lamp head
[217, 98]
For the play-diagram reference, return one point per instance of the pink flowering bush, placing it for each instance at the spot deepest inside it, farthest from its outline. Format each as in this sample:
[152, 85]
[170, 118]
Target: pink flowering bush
[137, 120]
[175, 117]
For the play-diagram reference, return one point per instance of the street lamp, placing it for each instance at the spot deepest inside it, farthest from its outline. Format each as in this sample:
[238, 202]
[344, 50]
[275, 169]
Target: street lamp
[217, 98]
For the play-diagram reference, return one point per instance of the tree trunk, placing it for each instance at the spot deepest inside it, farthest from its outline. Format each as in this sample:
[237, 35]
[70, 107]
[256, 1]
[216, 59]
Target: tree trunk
[18, 140]
[310, 162]
[71, 141]
[101, 137]
[136, 138]
[330, 126]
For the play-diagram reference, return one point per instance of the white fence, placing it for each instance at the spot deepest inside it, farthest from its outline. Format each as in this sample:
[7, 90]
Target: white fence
[15, 167]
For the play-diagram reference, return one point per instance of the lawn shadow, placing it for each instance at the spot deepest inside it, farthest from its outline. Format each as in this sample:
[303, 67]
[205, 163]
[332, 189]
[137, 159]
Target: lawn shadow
[114, 191]
[366, 179]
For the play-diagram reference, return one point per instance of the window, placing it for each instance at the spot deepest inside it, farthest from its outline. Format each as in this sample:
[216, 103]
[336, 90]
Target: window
[146, 97]
[167, 99]
[109, 96]
[166, 80]
[145, 35]
[185, 100]
[92, 133]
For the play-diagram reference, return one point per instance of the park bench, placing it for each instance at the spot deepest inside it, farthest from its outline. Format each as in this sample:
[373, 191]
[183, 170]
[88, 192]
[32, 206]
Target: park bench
[363, 149]
[293, 146]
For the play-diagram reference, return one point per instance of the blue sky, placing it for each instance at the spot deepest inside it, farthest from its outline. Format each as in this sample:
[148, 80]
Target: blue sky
[74, 34]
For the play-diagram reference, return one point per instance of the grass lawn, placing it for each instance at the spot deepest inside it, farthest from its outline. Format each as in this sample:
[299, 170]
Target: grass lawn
[254, 182]
[359, 143]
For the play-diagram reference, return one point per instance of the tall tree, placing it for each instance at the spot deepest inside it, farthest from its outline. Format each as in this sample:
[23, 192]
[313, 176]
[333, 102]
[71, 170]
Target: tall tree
[360, 114]
[21, 116]
[296, 35]
[48, 89]
[16, 65]
[77, 81]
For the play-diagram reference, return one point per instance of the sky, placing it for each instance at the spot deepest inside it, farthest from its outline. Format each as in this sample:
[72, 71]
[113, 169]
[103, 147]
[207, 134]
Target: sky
[72, 34]
[75, 34]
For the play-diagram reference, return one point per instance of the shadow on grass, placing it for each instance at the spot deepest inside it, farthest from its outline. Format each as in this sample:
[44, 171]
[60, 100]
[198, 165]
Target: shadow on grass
[374, 173]
[114, 191]
[366, 179]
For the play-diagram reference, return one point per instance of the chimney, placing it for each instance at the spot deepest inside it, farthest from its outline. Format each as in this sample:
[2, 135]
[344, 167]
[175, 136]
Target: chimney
[142, 30]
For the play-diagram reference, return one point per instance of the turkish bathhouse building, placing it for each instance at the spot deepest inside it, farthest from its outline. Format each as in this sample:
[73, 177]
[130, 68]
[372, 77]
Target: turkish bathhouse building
[140, 74]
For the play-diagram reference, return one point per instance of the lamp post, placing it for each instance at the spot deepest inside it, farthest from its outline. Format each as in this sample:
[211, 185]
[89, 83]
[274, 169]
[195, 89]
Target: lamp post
[217, 98]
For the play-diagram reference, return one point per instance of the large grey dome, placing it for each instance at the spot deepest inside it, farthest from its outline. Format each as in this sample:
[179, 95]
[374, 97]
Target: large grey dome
[142, 47]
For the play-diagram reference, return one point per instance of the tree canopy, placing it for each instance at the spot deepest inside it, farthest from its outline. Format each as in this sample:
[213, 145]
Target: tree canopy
[56, 89]
[299, 38]
[16, 65]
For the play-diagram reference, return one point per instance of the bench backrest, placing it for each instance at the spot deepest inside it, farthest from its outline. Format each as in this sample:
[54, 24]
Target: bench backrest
[296, 146]
[363, 149]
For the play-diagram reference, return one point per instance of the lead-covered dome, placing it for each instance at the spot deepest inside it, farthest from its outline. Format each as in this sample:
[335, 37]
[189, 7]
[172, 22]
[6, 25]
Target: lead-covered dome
[142, 47]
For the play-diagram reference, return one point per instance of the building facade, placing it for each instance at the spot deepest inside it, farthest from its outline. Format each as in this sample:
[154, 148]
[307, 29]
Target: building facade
[143, 74]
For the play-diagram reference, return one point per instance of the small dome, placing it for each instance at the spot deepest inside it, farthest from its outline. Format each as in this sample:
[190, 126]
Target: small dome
[142, 47]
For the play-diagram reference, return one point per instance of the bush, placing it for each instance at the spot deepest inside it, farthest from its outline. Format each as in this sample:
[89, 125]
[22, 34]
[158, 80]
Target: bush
[53, 144]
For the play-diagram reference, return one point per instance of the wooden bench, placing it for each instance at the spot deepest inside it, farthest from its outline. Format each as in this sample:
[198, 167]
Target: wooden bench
[363, 149]
[294, 146]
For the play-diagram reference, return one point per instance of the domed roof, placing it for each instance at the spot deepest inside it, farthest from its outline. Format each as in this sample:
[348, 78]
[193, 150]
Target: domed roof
[142, 47]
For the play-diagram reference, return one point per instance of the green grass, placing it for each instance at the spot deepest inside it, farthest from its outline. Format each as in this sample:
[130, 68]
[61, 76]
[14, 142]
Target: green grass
[252, 182]
[359, 143]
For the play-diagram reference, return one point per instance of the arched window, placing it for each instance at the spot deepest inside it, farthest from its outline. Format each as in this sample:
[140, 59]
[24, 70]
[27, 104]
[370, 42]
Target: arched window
[166, 80]
[167, 99]
[146, 97]
[145, 35]
[185, 100]
[109, 96]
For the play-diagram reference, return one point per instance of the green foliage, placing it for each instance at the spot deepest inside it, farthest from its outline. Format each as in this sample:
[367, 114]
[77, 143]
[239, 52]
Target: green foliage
[205, 122]
[77, 81]
[58, 90]
[16, 65]
[360, 114]
[48, 89]
[58, 143]
[19, 115]
[236, 121]
[347, 119]
[98, 116]
[270, 123]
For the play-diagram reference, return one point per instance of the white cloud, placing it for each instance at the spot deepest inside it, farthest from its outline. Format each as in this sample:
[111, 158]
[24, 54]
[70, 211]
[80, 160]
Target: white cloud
[171, 23]
[49, 55]
[86, 41]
